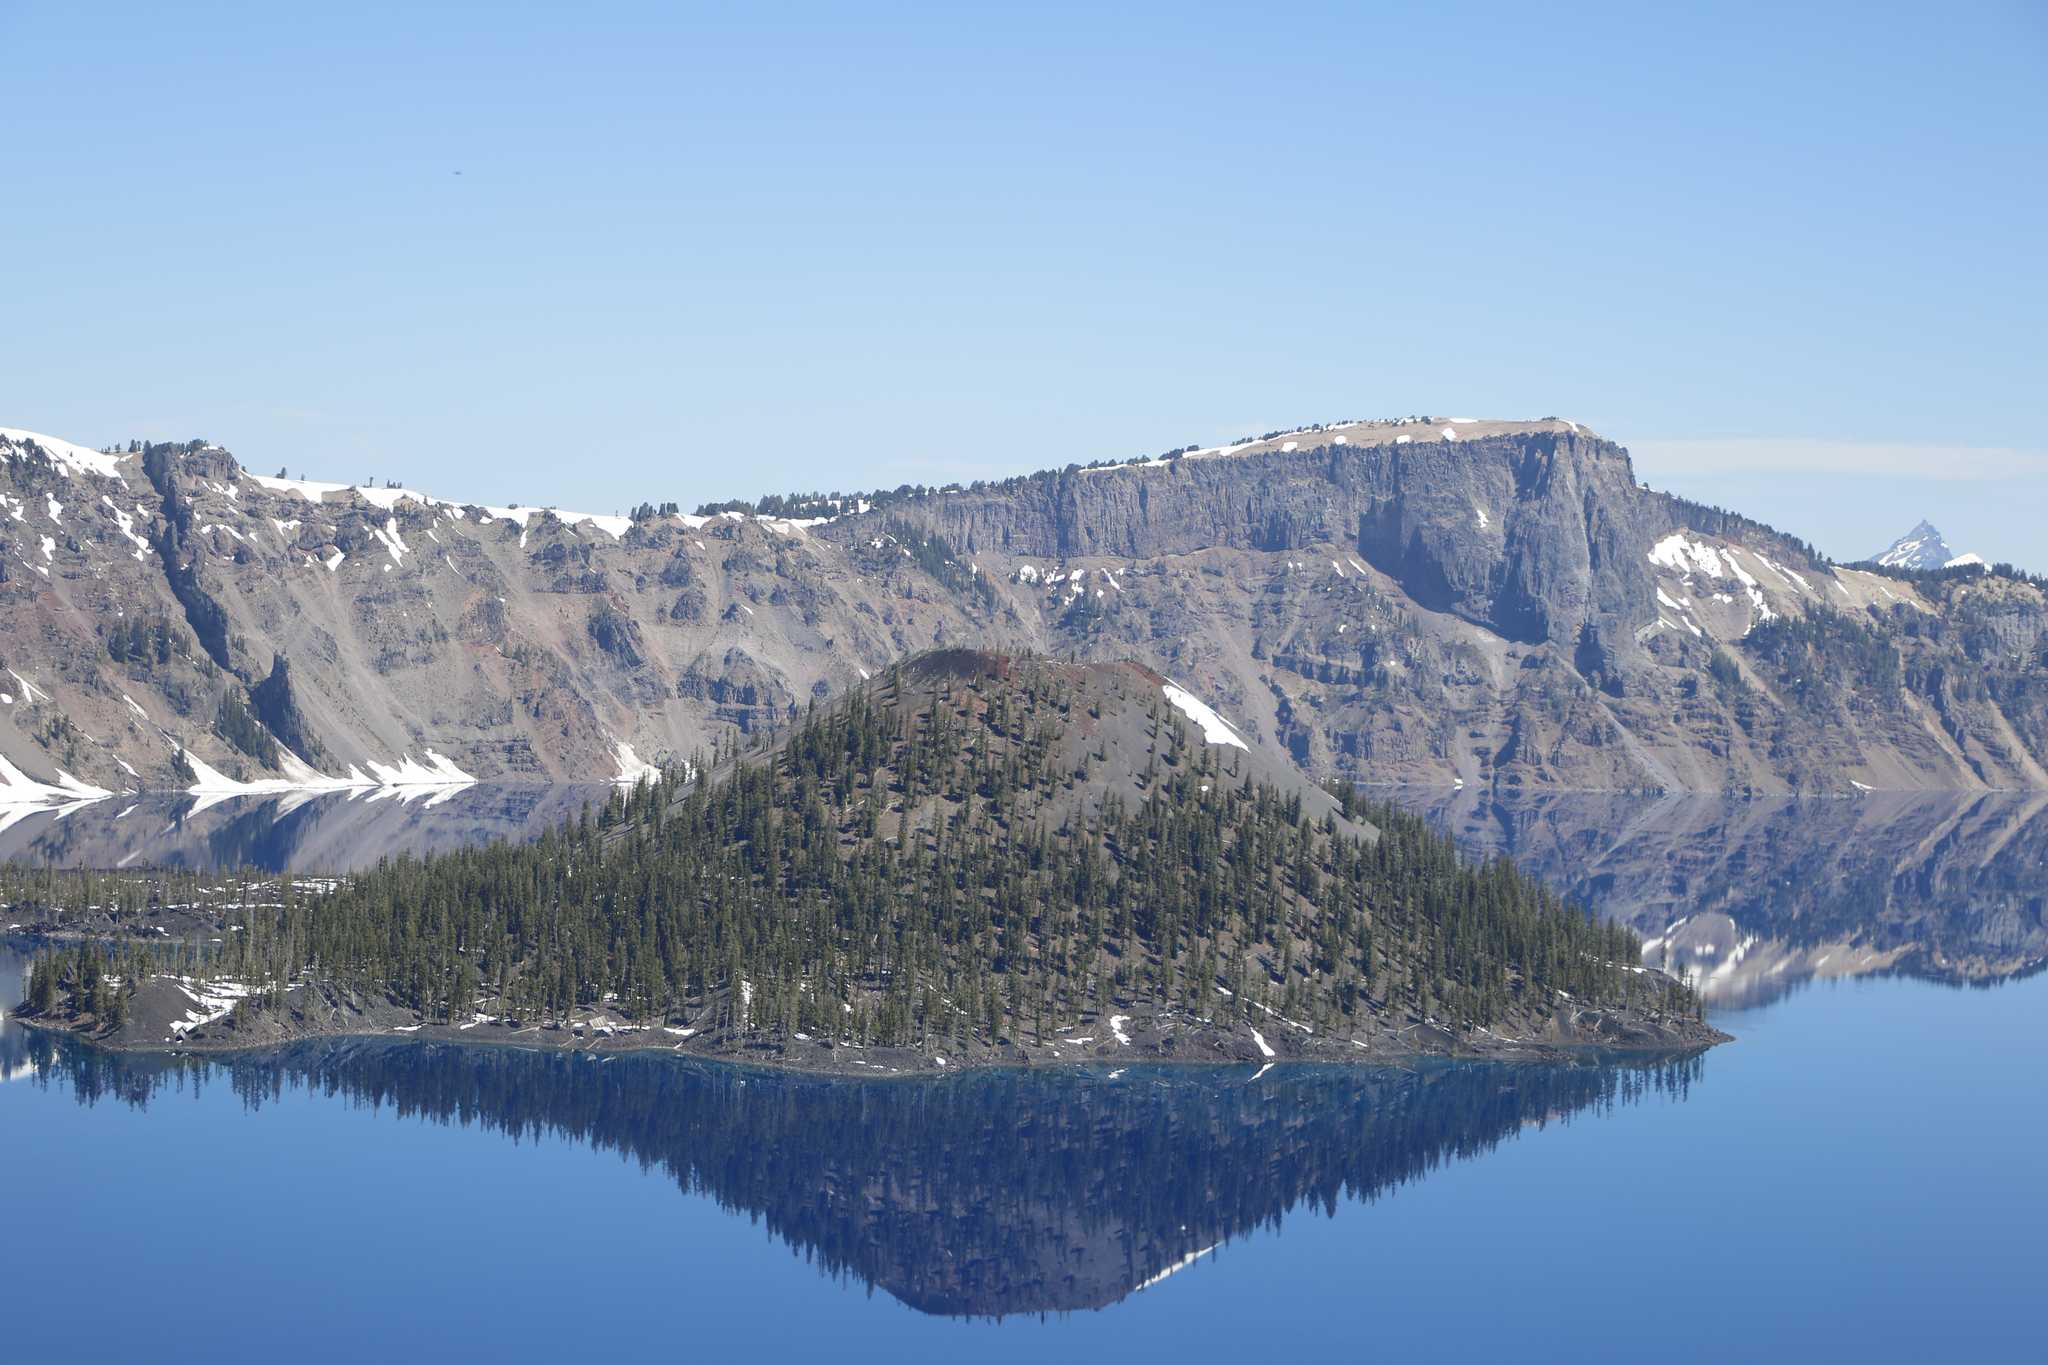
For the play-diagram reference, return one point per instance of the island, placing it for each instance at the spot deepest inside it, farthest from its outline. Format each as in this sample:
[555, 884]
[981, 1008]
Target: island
[974, 858]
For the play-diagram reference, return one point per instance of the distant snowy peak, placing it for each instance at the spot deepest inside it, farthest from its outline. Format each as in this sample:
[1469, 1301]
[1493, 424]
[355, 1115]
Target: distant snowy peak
[1921, 548]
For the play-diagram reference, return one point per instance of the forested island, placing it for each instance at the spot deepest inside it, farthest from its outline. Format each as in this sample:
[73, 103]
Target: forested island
[973, 858]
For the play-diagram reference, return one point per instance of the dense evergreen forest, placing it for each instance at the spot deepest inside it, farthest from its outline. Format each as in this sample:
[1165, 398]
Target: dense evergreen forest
[972, 848]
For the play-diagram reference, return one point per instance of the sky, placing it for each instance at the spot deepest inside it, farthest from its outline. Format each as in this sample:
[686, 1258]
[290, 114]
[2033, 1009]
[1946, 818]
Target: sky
[589, 256]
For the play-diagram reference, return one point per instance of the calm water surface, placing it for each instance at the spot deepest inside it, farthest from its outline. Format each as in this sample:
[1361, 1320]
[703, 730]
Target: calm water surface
[1857, 1177]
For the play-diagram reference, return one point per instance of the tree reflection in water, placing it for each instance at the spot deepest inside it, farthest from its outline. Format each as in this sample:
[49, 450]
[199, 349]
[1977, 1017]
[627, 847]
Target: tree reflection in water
[986, 1193]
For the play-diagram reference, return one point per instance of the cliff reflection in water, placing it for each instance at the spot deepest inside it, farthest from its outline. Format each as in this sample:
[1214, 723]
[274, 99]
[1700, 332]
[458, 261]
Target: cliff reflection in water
[303, 831]
[984, 1194]
[1748, 898]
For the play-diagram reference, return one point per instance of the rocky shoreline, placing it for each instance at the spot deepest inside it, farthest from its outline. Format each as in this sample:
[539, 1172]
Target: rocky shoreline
[180, 1015]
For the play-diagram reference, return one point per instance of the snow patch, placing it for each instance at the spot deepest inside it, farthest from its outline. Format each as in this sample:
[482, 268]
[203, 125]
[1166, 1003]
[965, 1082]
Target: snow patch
[1182, 1264]
[212, 1001]
[127, 524]
[437, 771]
[1215, 729]
[71, 460]
[305, 488]
[17, 788]
[1684, 556]
[408, 778]
[388, 497]
[393, 544]
[632, 770]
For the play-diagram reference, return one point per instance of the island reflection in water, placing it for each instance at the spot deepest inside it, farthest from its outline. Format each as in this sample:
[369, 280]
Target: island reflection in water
[983, 1194]
[1033, 1191]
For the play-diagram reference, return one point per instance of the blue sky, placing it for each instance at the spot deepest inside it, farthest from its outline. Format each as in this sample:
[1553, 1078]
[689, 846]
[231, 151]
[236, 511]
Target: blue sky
[1791, 256]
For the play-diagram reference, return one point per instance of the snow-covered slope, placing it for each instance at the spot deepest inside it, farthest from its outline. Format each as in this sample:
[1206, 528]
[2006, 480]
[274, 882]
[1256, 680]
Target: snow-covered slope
[71, 460]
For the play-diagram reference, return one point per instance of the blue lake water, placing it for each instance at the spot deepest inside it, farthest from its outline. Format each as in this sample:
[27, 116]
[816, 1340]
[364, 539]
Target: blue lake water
[1857, 1177]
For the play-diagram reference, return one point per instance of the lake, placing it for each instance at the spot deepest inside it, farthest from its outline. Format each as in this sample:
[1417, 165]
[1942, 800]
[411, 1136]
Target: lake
[1856, 1177]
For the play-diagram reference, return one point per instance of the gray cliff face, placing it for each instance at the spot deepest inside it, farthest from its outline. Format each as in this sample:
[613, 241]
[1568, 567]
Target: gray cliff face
[1498, 603]
[1507, 531]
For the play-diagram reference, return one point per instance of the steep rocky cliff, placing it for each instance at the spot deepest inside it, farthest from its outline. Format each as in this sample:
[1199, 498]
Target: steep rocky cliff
[1426, 600]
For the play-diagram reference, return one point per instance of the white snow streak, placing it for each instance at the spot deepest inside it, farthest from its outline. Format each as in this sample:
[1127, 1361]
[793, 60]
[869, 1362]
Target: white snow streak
[1215, 729]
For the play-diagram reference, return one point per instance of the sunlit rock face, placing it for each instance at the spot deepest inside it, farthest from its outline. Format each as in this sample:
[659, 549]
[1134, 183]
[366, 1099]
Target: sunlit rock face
[1439, 600]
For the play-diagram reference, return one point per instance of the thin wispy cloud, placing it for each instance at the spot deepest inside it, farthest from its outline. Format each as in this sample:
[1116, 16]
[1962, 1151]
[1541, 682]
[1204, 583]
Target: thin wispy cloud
[1905, 460]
